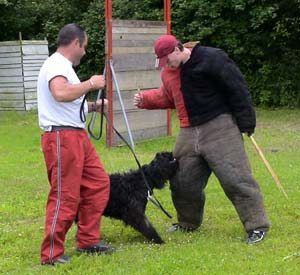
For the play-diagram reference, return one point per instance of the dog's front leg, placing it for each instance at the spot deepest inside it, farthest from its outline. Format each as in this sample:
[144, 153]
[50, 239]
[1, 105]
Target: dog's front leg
[141, 224]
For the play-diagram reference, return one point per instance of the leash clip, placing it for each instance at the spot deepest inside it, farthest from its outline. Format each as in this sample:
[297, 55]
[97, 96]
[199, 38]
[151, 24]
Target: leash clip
[150, 198]
[157, 204]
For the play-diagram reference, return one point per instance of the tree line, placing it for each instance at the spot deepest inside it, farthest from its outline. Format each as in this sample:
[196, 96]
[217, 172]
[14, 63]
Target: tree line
[262, 36]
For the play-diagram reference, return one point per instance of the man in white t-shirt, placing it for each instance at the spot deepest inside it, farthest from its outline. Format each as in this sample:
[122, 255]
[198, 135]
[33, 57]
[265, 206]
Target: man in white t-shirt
[79, 184]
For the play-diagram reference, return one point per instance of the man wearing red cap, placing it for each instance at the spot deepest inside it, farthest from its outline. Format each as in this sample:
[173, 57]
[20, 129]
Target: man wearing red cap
[214, 107]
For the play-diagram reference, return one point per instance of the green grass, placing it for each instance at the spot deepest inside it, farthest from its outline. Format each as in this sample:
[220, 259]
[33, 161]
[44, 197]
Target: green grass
[216, 248]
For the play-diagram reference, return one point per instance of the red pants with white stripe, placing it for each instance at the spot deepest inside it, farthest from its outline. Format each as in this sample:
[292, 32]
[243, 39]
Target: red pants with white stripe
[78, 183]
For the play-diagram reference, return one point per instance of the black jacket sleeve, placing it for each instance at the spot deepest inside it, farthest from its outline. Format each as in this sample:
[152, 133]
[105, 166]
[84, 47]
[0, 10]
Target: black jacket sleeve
[237, 93]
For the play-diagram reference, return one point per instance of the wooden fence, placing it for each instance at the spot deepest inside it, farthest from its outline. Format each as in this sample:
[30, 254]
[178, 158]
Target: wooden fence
[134, 63]
[20, 62]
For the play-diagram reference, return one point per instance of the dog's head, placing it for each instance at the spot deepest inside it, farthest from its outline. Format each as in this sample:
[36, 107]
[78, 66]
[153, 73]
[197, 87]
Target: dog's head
[162, 168]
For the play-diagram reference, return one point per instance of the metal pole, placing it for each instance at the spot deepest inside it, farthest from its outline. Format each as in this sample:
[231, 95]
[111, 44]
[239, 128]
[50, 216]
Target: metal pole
[121, 103]
[167, 19]
[109, 83]
[94, 113]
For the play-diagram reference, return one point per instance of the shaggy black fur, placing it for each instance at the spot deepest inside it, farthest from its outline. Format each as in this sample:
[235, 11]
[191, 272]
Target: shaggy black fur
[128, 193]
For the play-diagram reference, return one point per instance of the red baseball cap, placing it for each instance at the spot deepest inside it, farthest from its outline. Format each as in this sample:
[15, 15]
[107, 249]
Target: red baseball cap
[163, 46]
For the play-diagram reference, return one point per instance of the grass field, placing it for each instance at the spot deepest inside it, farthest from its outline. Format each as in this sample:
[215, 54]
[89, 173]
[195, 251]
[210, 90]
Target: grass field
[218, 247]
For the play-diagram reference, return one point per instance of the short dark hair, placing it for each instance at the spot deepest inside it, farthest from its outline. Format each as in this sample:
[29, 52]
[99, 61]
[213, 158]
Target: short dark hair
[70, 32]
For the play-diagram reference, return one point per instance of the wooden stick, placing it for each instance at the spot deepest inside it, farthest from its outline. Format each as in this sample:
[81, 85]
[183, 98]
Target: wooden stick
[275, 178]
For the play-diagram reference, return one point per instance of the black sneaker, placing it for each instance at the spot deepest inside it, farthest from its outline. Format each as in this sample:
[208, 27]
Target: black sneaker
[61, 260]
[255, 236]
[99, 248]
[177, 227]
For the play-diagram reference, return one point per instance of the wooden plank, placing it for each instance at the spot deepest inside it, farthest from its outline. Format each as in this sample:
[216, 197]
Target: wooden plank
[34, 48]
[29, 66]
[141, 135]
[143, 119]
[133, 80]
[132, 43]
[137, 23]
[30, 96]
[140, 119]
[35, 63]
[127, 98]
[10, 60]
[147, 30]
[32, 67]
[11, 72]
[34, 58]
[10, 47]
[10, 54]
[134, 62]
[30, 84]
[31, 90]
[7, 80]
[30, 106]
[144, 134]
[130, 50]
[11, 96]
[32, 72]
[31, 78]
[8, 90]
[12, 104]
[35, 42]
[135, 36]
[10, 66]
[11, 84]
[10, 43]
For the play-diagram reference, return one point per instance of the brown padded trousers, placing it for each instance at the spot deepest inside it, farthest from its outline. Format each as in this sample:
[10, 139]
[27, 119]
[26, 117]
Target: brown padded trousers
[216, 146]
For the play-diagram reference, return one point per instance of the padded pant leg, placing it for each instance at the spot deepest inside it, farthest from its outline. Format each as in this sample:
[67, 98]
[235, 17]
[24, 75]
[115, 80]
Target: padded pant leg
[187, 186]
[226, 156]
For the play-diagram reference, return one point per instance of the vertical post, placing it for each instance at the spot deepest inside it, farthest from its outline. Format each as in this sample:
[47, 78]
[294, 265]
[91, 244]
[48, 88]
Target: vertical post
[167, 19]
[22, 64]
[109, 80]
[167, 15]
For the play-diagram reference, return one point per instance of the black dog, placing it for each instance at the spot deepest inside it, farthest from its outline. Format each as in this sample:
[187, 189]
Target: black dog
[128, 193]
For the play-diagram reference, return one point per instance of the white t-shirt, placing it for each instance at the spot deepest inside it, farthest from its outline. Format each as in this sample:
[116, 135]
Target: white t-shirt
[50, 111]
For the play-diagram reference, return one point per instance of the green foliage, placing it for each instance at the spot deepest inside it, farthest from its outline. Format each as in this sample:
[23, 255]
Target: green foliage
[217, 248]
[261, 36]
[93, 21]
[39, 19]
[18, 16]
[58, 14]
[276, 83]
[138, 10]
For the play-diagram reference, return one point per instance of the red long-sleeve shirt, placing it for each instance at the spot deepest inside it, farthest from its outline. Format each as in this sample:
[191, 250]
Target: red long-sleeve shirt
[167, 96]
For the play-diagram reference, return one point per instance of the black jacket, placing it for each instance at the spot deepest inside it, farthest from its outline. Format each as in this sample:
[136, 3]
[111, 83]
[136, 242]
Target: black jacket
[212, 84]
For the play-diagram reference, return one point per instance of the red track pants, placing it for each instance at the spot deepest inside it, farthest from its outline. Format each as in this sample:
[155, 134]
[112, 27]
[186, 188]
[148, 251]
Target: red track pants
[78, 183]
